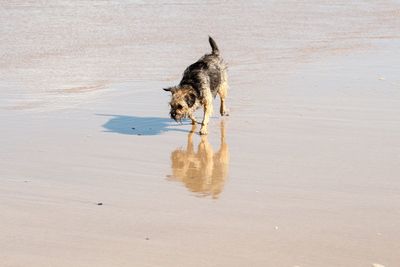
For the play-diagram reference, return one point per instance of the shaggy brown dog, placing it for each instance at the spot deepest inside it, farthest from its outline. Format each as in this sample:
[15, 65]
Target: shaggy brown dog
[200, 84]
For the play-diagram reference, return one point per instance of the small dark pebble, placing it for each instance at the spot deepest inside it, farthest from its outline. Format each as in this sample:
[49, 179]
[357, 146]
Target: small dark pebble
[139, 134]
[99, 204]
[147, 238]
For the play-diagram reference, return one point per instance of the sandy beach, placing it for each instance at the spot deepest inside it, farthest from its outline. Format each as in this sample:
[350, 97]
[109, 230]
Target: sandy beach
[304, 172]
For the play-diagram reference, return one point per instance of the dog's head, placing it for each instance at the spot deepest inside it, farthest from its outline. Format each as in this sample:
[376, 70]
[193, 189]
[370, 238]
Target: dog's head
[182, 102]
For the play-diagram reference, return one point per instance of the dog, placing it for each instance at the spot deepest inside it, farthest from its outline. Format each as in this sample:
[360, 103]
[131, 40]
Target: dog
[203, 172]
[200, 84]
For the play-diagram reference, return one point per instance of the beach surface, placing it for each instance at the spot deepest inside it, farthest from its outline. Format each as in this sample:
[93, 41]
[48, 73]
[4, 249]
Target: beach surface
[304, 172]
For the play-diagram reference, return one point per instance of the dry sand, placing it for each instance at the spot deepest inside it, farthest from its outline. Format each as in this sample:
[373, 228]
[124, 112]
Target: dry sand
[305, 171]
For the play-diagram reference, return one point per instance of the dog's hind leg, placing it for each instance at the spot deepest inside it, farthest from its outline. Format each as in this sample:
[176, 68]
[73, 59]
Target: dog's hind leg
[223, 93]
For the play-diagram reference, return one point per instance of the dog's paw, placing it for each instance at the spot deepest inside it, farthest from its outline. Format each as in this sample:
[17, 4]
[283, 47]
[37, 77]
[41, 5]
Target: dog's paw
[224, 113]
[203, 131]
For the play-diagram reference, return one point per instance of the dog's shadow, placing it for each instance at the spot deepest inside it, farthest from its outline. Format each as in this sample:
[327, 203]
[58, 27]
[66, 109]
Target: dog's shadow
[133, 125]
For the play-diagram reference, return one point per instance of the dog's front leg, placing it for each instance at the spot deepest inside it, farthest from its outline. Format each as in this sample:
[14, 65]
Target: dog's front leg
[208, 109]
[192, 118]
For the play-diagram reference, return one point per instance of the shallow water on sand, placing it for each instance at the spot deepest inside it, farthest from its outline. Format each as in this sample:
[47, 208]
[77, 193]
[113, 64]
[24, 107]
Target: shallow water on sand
[57, 54]
[303, 173]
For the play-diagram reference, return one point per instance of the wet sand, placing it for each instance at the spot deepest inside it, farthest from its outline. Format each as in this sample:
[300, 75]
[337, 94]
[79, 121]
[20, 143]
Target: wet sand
[304, 171]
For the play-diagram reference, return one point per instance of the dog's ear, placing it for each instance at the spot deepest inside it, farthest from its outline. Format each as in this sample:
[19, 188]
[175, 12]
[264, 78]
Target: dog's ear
[170, 89]
[190, 99]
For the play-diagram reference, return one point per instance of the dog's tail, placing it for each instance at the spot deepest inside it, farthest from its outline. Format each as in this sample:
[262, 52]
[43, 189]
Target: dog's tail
[214, 46]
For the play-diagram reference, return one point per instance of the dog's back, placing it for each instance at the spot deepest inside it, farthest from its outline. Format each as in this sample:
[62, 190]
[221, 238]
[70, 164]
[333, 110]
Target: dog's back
[208, 69]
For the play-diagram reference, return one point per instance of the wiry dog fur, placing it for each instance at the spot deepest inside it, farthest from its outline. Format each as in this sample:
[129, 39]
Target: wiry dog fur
[200, 84]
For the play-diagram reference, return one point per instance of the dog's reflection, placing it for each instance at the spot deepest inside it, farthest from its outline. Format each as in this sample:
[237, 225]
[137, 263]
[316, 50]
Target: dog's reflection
[202, 172]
